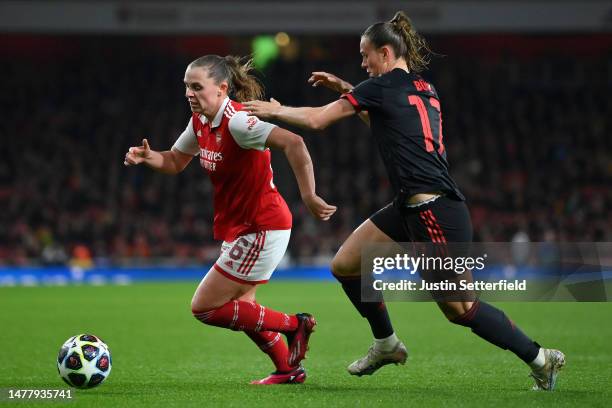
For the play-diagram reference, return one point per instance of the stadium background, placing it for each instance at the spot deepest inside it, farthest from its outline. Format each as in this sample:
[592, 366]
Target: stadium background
[525, 98]
[526, 120]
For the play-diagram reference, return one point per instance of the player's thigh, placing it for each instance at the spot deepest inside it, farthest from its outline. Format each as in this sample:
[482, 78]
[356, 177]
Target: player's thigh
[442, 221]
[252, 258]
[243, 263]
[215, 290]
[347, 261]
[443, 229]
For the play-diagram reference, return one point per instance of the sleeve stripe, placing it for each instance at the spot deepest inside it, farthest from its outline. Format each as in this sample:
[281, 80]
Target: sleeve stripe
[349, 97]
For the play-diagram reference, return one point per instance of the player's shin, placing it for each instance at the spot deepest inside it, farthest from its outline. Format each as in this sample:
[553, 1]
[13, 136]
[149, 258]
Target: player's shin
[273, 345]
[374, 311]
[494, 326]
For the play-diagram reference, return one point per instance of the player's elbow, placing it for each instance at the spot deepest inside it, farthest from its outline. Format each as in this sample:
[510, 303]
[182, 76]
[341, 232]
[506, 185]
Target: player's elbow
[179, 167]
[317, 123]
[179, 162]
[294, 143]
[171, 170]
[296, 151]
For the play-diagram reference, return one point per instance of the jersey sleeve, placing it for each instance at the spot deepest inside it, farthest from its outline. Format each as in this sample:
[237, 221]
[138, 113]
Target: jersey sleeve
[249, 132]
[187, 142]
[365, 96]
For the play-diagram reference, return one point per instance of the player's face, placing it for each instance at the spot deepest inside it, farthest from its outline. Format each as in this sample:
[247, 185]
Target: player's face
[203, 95]
[372, 59]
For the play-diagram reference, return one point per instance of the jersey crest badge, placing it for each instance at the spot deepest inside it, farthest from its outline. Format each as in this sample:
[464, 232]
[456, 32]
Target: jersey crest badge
[218, 137]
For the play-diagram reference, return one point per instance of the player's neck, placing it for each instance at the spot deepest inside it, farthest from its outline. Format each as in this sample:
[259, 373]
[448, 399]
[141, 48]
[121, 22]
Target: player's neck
[211, 116]
[401, 64]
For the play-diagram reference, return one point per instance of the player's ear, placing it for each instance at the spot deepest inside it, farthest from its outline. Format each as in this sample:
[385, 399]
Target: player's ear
[224, 87]
[386, 53]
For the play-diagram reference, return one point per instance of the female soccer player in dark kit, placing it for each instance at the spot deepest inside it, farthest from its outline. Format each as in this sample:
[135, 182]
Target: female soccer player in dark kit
[403, 113]
[250, 216]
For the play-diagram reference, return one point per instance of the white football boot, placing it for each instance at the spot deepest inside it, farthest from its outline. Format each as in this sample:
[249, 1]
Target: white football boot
[546, 377]
[375, 359]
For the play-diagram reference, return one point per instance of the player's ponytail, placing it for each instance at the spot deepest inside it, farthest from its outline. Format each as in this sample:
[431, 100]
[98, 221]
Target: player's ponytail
[245, 86]
[399, 33]
[242, 85]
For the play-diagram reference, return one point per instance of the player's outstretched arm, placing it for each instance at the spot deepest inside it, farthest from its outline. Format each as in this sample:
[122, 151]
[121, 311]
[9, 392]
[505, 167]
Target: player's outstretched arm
[317, 118]
[319, 78]
[297, 154]
[169, 161]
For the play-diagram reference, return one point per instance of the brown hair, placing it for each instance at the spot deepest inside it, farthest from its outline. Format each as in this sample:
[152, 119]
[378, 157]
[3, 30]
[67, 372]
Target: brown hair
[399, 33]
[242, 85]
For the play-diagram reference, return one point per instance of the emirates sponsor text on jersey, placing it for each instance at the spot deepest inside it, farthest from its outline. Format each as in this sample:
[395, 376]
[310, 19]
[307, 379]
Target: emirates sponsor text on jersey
[209, 159]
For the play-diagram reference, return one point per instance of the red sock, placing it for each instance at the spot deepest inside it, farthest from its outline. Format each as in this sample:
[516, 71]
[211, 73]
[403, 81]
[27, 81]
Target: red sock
[248, 316]
[273, 345]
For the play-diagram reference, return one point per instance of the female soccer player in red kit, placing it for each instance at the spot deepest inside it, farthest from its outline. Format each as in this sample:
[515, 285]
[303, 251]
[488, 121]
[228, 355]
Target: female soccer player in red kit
[403, 112]
[250, 216]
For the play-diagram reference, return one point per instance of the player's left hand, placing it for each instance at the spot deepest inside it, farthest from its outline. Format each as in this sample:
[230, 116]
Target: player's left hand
[320, 78]
[319, 208]
[262, 109]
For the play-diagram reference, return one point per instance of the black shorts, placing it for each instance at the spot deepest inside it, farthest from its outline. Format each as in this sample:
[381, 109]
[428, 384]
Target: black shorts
[430, 228]
[441, 221]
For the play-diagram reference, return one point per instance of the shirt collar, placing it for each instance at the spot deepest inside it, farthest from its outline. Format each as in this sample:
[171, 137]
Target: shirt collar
[217, 120]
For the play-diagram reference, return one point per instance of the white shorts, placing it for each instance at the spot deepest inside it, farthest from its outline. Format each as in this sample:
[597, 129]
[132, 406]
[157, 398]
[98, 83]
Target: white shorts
[252, 258]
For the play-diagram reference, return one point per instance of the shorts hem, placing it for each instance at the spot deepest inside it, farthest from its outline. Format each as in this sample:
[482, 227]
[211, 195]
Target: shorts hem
[235, 278]
[230, 238]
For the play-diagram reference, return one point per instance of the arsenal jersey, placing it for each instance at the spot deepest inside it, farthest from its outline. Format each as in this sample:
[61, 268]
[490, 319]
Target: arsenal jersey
[233, 152]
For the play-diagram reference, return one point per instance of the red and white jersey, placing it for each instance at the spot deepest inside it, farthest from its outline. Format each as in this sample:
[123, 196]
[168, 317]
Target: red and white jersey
[233, 152]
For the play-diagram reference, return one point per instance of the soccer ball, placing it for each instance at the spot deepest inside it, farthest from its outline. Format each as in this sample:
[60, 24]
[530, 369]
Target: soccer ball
[84, 361]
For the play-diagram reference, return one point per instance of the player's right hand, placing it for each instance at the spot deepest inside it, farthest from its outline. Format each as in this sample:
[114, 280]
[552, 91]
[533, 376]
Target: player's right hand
[137, 154]
[329, 81]
[319, 208]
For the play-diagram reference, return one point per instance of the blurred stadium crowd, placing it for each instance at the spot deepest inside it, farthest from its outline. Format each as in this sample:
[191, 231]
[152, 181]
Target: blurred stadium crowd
[527, 137]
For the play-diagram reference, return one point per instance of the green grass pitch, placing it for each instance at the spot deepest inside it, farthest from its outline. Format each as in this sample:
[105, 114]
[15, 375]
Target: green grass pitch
[163, 357]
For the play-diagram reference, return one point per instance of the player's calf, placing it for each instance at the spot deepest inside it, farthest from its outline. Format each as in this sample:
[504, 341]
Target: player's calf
[247, 316]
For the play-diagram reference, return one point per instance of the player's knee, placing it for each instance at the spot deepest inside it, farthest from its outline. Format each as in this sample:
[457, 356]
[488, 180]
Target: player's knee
[455, 311]
[200, 306]
[202, 314]
[341, 268]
